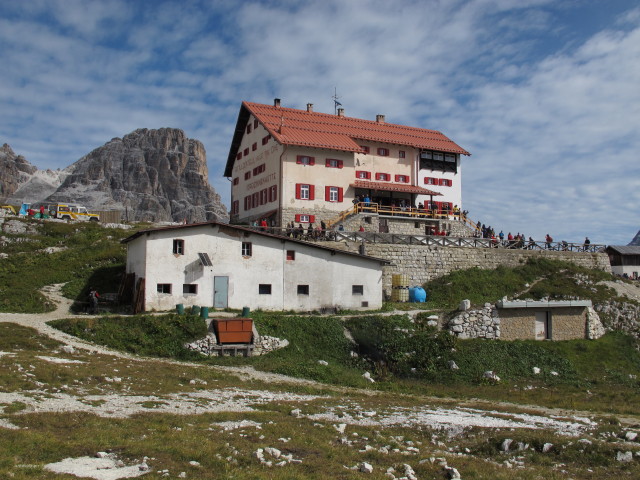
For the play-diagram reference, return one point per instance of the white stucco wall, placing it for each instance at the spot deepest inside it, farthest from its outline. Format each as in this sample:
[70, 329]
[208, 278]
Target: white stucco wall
[330, 275]
[451, 194]
[269, 155]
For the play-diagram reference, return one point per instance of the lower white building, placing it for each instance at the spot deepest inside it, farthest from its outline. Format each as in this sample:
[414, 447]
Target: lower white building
[226, 266]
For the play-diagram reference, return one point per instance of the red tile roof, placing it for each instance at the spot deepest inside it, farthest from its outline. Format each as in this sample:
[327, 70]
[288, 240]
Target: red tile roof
[321, 130]
[393, 187]
[289, 126]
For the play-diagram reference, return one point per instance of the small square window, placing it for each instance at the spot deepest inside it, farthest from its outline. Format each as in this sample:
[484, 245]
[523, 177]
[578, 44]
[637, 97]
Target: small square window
[365, 149]
[264, 289]
[255, 123]
[357, 289]
[303, 289]
[164, 288]
[236, 181]
[178, 247]
[190, 288]
[401, 154]
[246, 249]
[291, 254]
[383, 152]
[246, 151]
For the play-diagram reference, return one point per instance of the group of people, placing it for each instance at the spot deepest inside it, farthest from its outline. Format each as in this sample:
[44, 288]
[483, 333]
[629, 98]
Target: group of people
[519, 240]
[403, 206]
[309, 233]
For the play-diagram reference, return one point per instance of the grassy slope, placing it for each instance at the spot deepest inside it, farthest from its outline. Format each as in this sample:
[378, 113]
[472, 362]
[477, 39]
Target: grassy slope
[91, 254]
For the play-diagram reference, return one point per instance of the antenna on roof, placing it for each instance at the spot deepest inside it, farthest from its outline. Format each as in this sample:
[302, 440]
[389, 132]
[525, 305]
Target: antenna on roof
[336, 103]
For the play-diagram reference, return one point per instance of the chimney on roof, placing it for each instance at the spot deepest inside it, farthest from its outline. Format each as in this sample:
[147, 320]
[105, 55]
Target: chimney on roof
[276, 102]
[380, 118]
[341, 112]
[309, 107]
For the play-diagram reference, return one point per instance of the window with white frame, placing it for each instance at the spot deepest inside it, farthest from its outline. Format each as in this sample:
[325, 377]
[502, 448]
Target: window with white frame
[246, 249]
[163, 288]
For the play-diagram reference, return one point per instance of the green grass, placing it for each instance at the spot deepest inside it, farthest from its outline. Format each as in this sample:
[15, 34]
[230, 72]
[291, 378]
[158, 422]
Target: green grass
[404, 357]
[160, 336]
[92, 254]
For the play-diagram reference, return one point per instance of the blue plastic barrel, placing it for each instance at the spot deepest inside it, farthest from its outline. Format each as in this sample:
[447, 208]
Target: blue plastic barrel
[417, 295]
[204, 312]
[180, 308]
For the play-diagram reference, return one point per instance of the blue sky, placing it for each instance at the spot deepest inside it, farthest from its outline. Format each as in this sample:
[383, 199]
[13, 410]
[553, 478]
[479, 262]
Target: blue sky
[544, 94]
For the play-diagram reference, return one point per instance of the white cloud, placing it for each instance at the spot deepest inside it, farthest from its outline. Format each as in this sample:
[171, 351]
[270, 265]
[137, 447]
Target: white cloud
[549, 109]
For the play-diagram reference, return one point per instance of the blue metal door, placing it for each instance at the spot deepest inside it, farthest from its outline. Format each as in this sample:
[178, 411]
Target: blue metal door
[220, 292]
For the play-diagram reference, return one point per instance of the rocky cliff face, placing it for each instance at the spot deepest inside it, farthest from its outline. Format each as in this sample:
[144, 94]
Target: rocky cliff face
[636, 240]
[15, 170]
[151, 175]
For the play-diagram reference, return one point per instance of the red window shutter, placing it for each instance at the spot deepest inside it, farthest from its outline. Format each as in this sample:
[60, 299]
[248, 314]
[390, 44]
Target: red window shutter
[340, 163]
[297, 218]
[442, 181]
[312, 218]
[312, 192]
[377, 176]
[340, 194]
[298, 190]
[327, 193]
[368, 175]
[397, 178]
[312, 161]
[327, 162]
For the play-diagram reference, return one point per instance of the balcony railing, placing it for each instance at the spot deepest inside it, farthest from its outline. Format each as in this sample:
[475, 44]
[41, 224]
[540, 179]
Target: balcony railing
[332, 235]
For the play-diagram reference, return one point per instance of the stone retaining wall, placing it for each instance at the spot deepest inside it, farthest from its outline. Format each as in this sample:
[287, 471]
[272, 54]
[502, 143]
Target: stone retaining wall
[423, 263]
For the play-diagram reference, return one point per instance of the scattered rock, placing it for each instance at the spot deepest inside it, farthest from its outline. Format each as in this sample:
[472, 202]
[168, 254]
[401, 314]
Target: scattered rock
[624, 456]
[506, 444]
[491, 376]
[453, 365]
[367, 376]
[547, 447]
[452, 473]
[322, 362]
[536, 370]
[296, 412]
[365, 467]
[630, 436]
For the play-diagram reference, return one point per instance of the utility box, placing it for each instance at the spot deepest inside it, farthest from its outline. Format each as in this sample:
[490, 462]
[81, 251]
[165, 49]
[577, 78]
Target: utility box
[233, 330]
